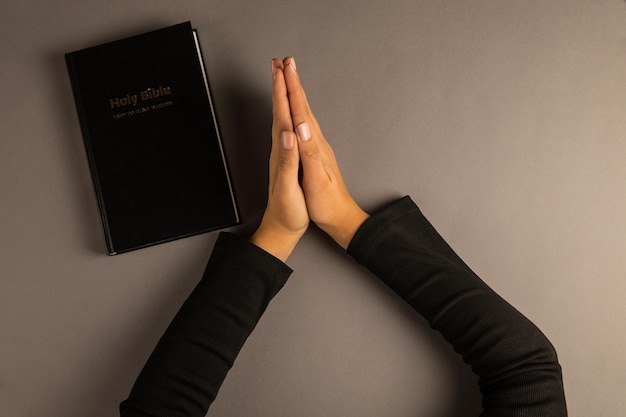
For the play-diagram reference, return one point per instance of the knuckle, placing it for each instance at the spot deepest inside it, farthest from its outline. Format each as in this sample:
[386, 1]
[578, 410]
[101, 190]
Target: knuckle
[311, 152]
[284, 162]
[301, 114]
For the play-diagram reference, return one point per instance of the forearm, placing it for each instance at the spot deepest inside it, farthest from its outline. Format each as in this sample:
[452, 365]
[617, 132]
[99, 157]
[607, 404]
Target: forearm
[517, 366]
[190, 362]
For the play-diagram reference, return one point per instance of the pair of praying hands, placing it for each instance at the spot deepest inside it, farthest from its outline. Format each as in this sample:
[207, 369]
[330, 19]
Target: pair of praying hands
[320, 195]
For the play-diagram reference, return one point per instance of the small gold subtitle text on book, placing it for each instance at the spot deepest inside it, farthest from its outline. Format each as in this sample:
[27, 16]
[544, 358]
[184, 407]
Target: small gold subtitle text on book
[134, 100]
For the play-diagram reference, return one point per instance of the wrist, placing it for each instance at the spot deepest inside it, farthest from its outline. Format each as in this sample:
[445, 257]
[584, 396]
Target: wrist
[343, 230]
[275, 241]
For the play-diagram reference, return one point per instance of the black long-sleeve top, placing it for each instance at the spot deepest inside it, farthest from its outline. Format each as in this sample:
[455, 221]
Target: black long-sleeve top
[519, 374]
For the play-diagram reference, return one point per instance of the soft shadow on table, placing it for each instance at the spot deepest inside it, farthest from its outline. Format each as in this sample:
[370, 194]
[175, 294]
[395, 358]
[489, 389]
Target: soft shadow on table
[245, 117]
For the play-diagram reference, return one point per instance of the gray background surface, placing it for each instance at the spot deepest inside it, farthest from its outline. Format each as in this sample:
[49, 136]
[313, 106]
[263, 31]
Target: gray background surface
[504, 120]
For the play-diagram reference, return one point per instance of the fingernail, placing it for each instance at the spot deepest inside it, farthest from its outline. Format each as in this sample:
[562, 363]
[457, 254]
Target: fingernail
[273, 67]
[304, 133]
[292, 64]
[286, 139]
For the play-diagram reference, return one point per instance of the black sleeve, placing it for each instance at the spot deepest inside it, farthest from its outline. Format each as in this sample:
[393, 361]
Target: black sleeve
[190, 362]
[519, 374]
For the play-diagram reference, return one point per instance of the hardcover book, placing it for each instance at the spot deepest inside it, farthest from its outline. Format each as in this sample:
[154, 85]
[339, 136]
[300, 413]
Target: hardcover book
[152, 139]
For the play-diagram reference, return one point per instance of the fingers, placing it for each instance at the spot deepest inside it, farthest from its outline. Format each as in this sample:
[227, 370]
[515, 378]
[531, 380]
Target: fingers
[300, 110]
[307, 130]
[281, 118]
[288, 164]
[298, 103]
[284, 159]
[280, 100]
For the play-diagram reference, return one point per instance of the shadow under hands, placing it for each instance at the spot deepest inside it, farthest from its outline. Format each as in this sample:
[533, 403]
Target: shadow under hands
[245, 117]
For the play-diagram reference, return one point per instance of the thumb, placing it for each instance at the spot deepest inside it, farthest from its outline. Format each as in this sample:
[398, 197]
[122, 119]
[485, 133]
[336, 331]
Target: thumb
[288, 160]
[309, 150]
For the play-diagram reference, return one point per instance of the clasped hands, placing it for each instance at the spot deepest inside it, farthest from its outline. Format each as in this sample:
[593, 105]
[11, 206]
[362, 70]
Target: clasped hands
[320, 195]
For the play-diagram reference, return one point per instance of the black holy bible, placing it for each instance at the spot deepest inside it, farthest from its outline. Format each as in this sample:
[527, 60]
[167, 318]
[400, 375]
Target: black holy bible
[152, 138]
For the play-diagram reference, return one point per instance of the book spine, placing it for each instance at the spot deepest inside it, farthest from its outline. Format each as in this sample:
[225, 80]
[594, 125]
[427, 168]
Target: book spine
[90, 156]
[216, 124]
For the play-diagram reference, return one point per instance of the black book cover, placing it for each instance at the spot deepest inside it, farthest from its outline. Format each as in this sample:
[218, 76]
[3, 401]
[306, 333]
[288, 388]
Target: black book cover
[152, 138]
